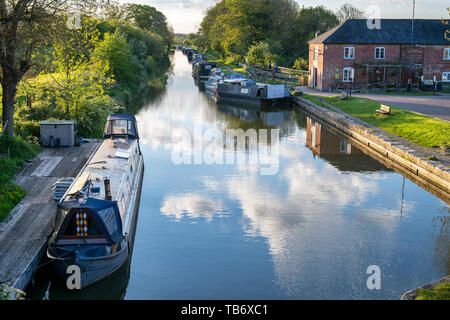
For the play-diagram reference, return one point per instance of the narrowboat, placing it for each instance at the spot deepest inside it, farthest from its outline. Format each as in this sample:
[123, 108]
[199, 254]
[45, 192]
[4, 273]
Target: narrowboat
[94, 227]
[211, 85]
[249, 92]
[202, 70]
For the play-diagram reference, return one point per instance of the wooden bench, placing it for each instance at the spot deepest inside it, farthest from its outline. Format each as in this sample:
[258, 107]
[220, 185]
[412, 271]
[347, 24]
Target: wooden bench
[384, 109]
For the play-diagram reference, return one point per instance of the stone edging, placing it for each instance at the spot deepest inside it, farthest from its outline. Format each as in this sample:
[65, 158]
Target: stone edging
[391, 147]
[412, 294]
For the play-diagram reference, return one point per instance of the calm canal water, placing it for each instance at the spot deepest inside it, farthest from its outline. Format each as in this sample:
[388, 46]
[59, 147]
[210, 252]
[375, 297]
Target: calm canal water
[226, 231]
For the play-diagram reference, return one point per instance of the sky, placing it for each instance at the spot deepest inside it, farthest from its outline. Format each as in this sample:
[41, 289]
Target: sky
[185, 15]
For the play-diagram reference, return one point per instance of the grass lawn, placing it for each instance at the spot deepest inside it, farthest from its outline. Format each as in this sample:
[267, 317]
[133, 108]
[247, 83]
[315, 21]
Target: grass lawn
[417, 128]
[10, 193]
[439, 292]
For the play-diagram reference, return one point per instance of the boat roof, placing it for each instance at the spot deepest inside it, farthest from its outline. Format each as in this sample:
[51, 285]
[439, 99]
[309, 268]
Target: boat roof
[120, 116]
[110, 160]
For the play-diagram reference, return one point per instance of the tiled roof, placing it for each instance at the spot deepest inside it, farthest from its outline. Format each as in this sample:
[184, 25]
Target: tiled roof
[392, 31]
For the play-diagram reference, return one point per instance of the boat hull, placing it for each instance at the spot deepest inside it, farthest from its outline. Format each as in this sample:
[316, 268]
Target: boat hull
[96, 269]
[250, 100]
[91, 270]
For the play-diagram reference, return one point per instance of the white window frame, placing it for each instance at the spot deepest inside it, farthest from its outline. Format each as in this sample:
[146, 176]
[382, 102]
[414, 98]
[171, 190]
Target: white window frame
[446, 76]
[350, 74]
[316, 53]
[382, 49]
[447, 53]
[350, 50]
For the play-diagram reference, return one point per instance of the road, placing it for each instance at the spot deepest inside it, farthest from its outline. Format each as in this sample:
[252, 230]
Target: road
[433, 106]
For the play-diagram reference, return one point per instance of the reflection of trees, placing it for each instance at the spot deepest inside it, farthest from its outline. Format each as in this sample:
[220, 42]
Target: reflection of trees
[153, 91]
[442, 244]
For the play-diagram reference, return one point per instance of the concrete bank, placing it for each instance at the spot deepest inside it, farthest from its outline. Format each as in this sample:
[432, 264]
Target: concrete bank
[405, 154]
[25, 232]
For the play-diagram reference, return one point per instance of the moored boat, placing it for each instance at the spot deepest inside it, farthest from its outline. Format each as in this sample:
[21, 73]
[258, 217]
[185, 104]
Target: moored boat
[202, 70]
[95, 218]
[249, 92]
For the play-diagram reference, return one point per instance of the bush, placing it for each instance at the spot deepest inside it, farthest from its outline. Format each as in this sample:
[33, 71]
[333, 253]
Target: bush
[260, 54]
[300, 64]
[19, 150]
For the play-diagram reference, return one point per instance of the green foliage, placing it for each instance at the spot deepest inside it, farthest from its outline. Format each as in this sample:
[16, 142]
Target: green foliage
[151, 20]
[261, 54]
[116, 58]
[439, 292]
[231, 27]
[17, 151]
[301, 64]
[90, 72]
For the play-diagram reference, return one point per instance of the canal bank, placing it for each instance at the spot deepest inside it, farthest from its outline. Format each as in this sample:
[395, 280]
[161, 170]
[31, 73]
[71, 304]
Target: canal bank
[25, 232]
[409, 157]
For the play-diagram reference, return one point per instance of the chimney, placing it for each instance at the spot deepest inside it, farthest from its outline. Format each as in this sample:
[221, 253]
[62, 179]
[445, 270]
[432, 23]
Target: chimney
[107, 188]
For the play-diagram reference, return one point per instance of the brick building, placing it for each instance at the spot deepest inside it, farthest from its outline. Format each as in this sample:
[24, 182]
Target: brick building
[352, 54]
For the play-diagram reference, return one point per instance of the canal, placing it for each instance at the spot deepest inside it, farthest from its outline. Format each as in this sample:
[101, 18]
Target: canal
[303, 221]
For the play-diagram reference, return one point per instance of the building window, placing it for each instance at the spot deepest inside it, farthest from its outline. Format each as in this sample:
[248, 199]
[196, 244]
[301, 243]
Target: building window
[380, 53]
[348, 75]
[316, 53]
[349, 53]
[446, 53]
[446, 76]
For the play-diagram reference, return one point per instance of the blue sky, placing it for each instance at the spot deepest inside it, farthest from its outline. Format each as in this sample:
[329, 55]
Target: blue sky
[186, 15]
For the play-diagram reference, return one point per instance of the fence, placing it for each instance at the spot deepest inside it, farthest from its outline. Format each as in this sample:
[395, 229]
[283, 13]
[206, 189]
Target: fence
[298, 78]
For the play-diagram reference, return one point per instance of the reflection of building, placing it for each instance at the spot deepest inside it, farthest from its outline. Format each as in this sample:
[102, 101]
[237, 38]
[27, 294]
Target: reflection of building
[337, 150]
[323, 142]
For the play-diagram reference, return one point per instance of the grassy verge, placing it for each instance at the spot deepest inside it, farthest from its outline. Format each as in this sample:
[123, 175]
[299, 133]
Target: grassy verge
[439, 292]
[414, 127]
[225, 62]
[19, 151]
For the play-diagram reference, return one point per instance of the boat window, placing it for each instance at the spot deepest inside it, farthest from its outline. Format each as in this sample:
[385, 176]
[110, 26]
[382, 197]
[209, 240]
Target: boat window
[81, 224]
[259, 93]
[120, 127]
[109, 218]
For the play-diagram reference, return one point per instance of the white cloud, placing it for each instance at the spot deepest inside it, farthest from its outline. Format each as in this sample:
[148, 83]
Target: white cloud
[193, 206]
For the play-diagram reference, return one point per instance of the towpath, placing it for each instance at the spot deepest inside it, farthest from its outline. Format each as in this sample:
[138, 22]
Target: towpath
[24, 234]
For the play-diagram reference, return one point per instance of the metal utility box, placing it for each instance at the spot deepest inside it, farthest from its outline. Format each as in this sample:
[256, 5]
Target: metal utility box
[57, 133]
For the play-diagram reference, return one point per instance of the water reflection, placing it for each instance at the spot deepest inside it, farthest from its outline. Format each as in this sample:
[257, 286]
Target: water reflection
[329, 212]
[225, 231]
[338, 150]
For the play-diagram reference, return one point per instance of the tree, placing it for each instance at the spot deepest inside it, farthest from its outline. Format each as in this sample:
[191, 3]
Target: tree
[308, 22]
[260, 54]
[348, 11]
[24, 26]
[301, 64]
[149, 19]
[72, 50]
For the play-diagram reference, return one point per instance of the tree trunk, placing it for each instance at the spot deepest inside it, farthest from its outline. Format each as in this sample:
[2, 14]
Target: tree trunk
[9, 92]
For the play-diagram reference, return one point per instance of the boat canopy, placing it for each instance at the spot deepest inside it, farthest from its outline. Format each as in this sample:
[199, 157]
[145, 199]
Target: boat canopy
[89, 218]
[121, 125]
